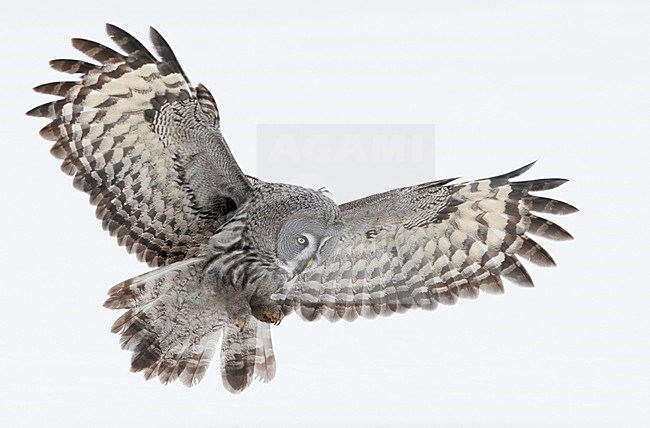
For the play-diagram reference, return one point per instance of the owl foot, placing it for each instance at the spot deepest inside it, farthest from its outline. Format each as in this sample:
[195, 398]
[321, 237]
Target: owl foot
[272, 317]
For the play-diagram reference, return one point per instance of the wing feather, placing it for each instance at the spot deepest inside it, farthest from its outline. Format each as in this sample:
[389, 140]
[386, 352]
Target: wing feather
[145, 146]
[431, 244]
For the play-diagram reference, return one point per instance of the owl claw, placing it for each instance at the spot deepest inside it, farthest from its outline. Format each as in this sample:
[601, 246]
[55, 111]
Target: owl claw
[272, 317]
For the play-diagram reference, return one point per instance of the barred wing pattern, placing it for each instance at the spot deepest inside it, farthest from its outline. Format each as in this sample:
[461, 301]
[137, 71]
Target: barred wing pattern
[421, 246]
[145, 145]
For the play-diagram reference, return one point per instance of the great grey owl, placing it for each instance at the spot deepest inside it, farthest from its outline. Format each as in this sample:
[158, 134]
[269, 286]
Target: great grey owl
[234, 254]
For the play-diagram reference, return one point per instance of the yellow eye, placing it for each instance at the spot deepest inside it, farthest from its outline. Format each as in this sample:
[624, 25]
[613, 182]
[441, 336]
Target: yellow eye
[301, 240]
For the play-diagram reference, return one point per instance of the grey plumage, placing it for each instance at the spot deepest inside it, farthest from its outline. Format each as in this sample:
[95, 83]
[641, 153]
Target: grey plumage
[235, 254]
[435, 244]
[145, 146]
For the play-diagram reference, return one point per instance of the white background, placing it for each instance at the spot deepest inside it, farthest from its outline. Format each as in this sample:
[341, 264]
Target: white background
[505, 83]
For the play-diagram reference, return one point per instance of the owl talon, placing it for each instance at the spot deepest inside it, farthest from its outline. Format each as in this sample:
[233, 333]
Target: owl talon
[272, 317]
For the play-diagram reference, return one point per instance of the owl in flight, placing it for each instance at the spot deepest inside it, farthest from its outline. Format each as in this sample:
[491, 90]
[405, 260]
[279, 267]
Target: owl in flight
[234, 254]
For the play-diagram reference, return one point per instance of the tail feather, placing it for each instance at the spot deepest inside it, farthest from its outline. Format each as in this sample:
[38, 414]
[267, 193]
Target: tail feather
[264, 356]
[173, 328]
[147, 287]
[172, 325]
[238, 356]
[187, 362]
[196, 360]
[246, 352]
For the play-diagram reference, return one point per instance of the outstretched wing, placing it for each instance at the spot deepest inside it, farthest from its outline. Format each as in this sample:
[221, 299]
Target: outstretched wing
[145, 145]
[420, 246]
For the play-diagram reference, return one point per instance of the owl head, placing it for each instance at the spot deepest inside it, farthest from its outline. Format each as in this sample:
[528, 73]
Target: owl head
[302, 242]
[295, 226]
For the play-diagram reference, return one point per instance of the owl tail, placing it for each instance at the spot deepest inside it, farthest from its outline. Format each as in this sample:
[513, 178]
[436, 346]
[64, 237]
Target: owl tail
[245, 352]
[172, 328]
